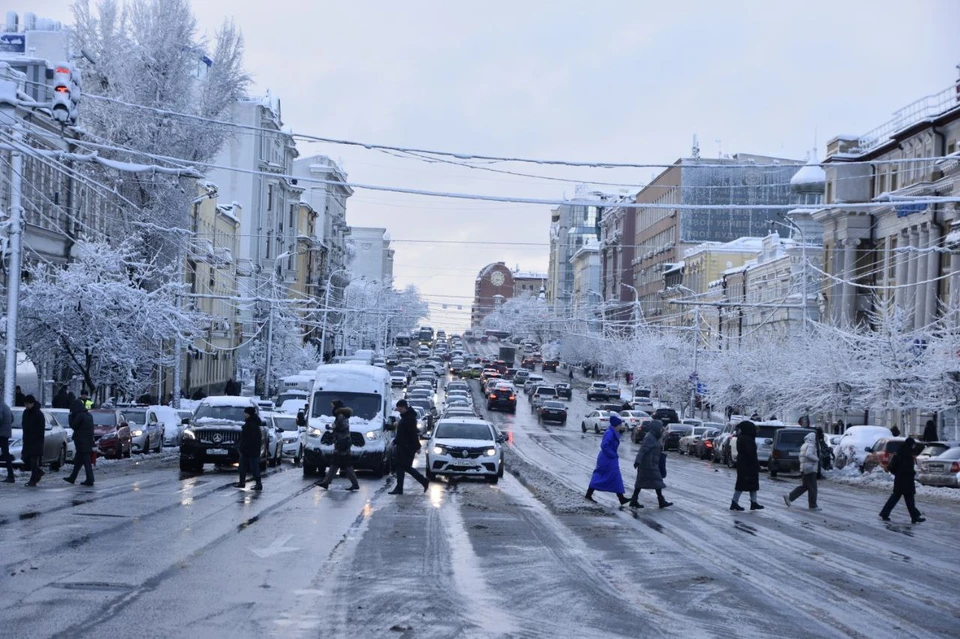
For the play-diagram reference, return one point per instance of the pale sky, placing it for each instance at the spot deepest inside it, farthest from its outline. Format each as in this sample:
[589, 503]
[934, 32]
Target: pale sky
[619, 81]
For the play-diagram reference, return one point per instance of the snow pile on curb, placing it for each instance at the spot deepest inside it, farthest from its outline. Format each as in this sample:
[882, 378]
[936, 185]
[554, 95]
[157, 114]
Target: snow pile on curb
[557, 496]
[881, 479]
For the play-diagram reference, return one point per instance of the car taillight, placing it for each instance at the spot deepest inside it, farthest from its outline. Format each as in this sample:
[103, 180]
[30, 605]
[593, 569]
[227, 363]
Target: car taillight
[955, 467]
[708, 444]
[493, 395]
[513, 397]
[776, 454]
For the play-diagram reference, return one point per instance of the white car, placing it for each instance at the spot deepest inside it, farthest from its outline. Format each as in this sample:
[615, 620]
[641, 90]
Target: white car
[634, 419]
[597, 421]
[291, 406]
[398, 378]
[172, 434]
[275, 445]
[291, 446]
[465, 447]
[855, 443]
[54, 441]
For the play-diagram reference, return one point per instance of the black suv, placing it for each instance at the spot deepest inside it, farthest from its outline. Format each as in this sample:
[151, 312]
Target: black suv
[213, 434]
[666, 415]
[502, 398]
[785, 453]
[550, 365]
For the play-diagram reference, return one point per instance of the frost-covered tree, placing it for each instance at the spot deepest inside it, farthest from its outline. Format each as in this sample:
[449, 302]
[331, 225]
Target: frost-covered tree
[289, 351]
[99, 320]
[372, 314]
[527, 315]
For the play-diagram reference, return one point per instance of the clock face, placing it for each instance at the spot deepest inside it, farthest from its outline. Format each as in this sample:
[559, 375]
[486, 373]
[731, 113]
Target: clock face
[496, 278]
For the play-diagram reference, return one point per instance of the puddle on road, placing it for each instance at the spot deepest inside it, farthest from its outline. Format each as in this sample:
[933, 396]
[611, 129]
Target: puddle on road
[93, 585]
[28, 515]
[246, 524]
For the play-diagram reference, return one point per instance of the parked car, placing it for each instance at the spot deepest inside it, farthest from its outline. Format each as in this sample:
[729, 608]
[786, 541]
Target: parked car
[146, 429]
[503, 396]
[552, 411]
[704, 448]
[564, 390]
[597, 421]
[942, 470]
[666, 415]
[62, 417]
[765, 434]
[111, 433]
[54, 441]
[540, 394]
[290, 440]
[673, 435]
[721, 444]
[275, 434]
[465, 447]
[881, 452]
[688, 443]
[785, 451]
[854, 444]
[934, 449]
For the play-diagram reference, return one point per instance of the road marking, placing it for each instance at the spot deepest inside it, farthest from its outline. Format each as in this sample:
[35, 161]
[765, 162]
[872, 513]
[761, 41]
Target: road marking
[276, 548]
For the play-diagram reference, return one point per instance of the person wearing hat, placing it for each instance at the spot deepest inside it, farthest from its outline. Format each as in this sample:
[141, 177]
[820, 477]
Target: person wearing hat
[251, 443]
[341, 447]
[648, 464]
[407, 444]
[85, 398]
[81, 421]
[606, 476]
[34, 424]
[748, 466]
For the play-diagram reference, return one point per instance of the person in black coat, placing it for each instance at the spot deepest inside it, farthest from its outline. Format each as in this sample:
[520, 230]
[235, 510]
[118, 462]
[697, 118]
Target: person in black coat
[342, 459]
[61, 399]
[251, 443]
[930, 432]
[748, 466]
[81, 421]
[901, 465]
[34, 424]
[407, 444]
[19, 399]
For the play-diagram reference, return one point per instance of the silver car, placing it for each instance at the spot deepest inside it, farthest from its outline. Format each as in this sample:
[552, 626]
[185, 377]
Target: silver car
[54, 441]
[146, 430]
[942, 470]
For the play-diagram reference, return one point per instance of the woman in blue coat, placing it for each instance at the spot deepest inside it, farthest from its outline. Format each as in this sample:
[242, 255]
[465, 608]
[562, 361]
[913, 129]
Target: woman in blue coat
[606, 476]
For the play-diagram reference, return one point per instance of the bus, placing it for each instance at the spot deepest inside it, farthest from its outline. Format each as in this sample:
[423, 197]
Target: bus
[401, 341]
[426, 335]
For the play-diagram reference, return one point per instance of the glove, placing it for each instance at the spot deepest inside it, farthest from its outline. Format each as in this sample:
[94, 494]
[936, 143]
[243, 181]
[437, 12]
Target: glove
[636, 466]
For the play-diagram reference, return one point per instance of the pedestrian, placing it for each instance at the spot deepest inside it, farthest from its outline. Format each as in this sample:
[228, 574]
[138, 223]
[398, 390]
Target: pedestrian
[895, 430]
[570, 376]
[301, 418]
[930, 431]
[406, 445]
[748, 466]
[341, 447]
[251, 443]
[809, 462]
[824, 453]
[901, 465]
[606, 476]
[19, 398]
[650, 465]
[6, 432]
[87, 402]
[34, 423]
[841, 427]
[61, 399]
[81, 421]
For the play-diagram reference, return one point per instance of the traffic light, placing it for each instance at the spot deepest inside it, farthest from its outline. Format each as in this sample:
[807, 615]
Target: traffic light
[66, 94]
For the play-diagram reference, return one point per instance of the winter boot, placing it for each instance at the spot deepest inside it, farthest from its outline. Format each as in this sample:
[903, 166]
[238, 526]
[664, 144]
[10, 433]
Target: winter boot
[735, 506]
[755, 506]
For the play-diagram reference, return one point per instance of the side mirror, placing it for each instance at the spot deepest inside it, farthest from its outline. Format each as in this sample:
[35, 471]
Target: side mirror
[501, 439]
[185, 421]
[868, 449]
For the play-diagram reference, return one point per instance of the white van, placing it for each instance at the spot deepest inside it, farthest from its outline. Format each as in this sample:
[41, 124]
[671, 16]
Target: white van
[366, 390]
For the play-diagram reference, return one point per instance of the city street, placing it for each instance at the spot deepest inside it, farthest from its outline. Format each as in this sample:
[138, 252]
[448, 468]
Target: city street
[156, 552]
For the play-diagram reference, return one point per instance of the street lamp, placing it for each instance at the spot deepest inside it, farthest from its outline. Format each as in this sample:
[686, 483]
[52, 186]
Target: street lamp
[637, 311]
[326, 310]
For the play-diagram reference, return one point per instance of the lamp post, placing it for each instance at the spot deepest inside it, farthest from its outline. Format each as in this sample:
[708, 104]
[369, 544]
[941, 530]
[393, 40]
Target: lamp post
[637, 311]
[326, 310]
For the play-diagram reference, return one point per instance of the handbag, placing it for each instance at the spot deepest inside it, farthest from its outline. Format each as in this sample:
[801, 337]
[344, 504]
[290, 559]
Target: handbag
[663, 464]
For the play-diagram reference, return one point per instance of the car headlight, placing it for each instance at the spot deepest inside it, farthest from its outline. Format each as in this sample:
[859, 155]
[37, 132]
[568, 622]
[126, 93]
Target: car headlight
[316, 432]
[188, 434]
[490, 452]
[137, 433]
[439, 450]
[371, 434]
[110, 435]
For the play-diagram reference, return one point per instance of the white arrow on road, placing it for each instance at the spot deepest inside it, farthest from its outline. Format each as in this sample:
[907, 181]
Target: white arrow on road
[279, 546]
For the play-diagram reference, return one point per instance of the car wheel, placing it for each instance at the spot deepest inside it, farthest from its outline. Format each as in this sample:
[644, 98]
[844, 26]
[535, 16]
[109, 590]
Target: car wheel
[493, 479]
[298, 456]
[379, 470]
[61, 459]
[187, 467]
[583, 426]
[309, 471]
[596, 428]
[429, 475]
[146, 446]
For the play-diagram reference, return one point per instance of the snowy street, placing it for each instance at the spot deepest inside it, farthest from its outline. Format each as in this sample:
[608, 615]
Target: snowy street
[162, 551]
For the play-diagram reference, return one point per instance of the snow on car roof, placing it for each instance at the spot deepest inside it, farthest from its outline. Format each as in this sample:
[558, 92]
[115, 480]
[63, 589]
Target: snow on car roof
[347, 375]
[228, 400]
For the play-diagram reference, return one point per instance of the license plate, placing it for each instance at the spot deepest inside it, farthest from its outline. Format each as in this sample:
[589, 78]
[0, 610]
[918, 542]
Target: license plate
[463, 464]
[789, 454]
[938, 468]
[217, 451]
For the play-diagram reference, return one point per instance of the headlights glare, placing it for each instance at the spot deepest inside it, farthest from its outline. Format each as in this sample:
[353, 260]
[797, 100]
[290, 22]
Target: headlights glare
[188, 434]
[490, 452]
[137, 433]
[316, 432]
[371, 434]
[439, 450]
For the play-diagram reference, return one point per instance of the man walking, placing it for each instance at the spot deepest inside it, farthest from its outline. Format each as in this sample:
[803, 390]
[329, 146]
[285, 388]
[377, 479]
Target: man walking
[930, 431]
[647, 463]
[34, 424]
[341, 447]
[81, 422]
[251, 443]
[19, 399]
[901, 465]
[407, 445]
[809, 463]
[6, 431]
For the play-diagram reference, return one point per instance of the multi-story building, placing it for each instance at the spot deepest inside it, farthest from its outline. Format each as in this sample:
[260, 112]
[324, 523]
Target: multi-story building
[370, 255]
[326, 190]
[617, 233]
[493, 286]
[586, 277]
[572, 225]
[666, 229]
[898, 247]
[528, 283]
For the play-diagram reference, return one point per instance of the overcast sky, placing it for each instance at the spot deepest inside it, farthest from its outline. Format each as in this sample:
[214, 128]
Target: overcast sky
[626, 81]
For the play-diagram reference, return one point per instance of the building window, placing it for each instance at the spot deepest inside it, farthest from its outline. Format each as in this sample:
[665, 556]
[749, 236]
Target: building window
[269, 197]
[894, 178]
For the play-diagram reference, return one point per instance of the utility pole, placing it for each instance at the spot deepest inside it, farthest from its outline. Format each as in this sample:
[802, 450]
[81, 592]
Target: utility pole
[326, 311]
[696, 352]
[13, 271]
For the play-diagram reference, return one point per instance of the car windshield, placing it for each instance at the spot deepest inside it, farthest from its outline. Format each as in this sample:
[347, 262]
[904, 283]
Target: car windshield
[554, 405]
[364, 405]
[463, 431]
[285, 423]
[108, 418]
[546, 390]
[792, 437]
[288, 396]
[893, 445]
[224, 413]
[680, 429]
[135, 416]
[953, 453]
[766, 432]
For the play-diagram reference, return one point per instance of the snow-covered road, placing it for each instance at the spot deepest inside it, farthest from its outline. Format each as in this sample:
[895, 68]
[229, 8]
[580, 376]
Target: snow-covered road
[151, 552]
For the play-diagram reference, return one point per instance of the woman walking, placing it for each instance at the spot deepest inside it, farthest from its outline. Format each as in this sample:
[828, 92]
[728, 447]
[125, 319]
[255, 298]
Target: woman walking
[606, 476]
[748, 466]
[647, 463]
[901, 466]
[809, 463]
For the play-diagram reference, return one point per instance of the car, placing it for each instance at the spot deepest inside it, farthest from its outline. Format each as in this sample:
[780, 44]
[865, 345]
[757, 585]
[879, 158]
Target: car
[564, 390]
[503, 396]
[785, 451]
[933, 449]
[111, 433]
[596, 420]
[54, 441]
[550, 365]
[380, 361]
[532, 382]
[429, 411]
[488, 374]
[290, 445]
[472, 371]
[881, 452]
[458, 392]
[275, 434]
[552, 411]
[457, 385]
[540, 394]
[465, 447]
[614, 408]
[458, 411]
[415, 393]
[521, 376]
[721, 444]
[942, 470]
[633, 419]
[688, 443]
[173, 434]
[597, 391]
[213, 434]
[765, 434]
[398, 378]
[62, 417]
[146, 429]
[528, 363]
[704, 449]
[854, 444]
[673, 434]
[646, 404]
[666, 415]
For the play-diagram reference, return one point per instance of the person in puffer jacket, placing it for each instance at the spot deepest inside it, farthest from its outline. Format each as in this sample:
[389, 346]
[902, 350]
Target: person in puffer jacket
[809, 463]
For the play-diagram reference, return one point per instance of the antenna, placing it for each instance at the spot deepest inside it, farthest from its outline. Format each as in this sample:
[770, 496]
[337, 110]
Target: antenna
[719, 148]
[695, 151]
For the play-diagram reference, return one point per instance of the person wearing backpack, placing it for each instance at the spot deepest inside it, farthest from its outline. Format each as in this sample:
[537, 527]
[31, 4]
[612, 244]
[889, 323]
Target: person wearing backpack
[903, 471]
[341, 448]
